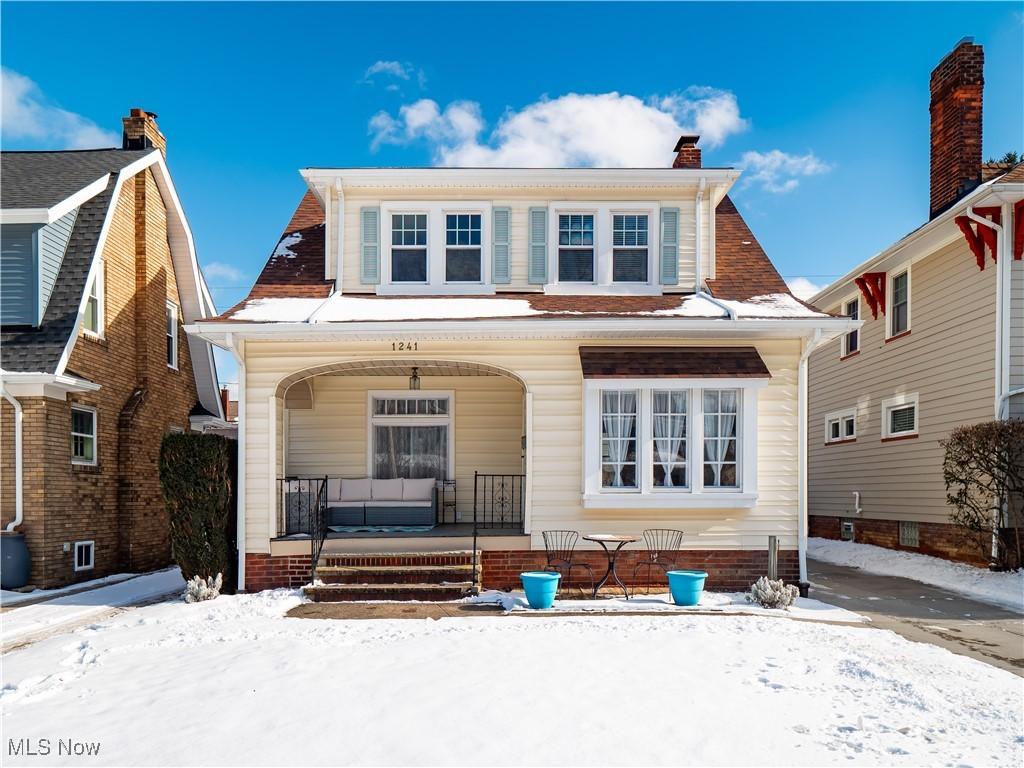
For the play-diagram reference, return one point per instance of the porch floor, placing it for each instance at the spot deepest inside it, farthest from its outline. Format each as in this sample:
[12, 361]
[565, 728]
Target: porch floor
[443, 530]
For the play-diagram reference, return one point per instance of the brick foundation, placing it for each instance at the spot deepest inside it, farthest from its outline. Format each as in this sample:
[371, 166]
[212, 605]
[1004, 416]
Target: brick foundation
[727, 570]
[936, 539]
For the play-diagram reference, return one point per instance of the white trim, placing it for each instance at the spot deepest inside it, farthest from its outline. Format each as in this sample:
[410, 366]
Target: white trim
[841, 417]
[844, 340]
[528, 461]
[172, 363]
[99, 283]
[339, 265]
[44, 385]
[645, 495]
[899, 401]
[272, 474]
[50, 215]
[435, 211]
[425, 420]
[91, 548]
[95, 435]
[240, 509]
[890, 279]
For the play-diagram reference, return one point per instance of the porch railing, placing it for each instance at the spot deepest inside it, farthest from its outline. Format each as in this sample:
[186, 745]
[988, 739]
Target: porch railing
[498, 502]
[302, 510]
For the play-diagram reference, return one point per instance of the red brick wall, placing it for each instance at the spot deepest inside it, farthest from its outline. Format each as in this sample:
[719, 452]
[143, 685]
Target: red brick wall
[267, 572]
[956, 95]
[117, 503]
[936, 539]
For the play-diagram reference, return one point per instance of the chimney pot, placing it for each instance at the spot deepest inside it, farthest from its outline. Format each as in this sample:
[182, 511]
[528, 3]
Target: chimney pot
[140, 131]
[687, 152]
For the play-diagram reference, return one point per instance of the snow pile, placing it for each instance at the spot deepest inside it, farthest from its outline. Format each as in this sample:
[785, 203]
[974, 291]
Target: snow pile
[729, 603]
[8, 597]
[342, 308]
[288, 310]
[284, 248]
[1005, 589]
[774, 305]
[320, 692]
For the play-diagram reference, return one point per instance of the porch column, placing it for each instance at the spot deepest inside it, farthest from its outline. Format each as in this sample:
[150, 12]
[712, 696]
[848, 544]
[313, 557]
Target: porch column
[528, 460]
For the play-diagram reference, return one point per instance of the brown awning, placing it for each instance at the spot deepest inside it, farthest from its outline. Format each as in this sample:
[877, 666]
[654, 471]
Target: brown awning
[672, 362]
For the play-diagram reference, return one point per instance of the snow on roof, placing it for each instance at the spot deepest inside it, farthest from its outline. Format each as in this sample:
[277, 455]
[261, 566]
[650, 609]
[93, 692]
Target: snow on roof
[340, 308]
[284, 248]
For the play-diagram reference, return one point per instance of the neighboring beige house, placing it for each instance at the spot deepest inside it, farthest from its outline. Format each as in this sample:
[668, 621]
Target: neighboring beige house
[603, 350]
[942, 342]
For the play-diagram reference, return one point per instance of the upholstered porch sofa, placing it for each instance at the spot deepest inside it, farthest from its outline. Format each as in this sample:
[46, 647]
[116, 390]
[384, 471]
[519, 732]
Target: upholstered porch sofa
[381, 502]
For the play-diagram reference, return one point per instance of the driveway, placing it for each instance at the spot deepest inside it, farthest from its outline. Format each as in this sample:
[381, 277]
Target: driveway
[924, 613]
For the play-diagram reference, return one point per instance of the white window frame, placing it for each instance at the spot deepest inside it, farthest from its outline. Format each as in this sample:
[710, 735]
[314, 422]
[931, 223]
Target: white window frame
[390, 246]
[411, 421]
[844, 347]
[647, 495]
[173, 309]
[90, 547]
[444, 275]
[436, 213]
[97, 284]
[603, 211]
[900, 401]
[95, 436]
[842, 418]
[889, 294]
[650, 225]
[556, 247]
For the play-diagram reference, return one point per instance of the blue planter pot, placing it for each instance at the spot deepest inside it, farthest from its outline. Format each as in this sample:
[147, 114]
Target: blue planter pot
[686, 586]
[540, 587]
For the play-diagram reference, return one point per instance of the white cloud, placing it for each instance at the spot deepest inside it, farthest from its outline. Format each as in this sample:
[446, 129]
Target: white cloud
[395, 69]
[26, 113]
[599, 130]
[803, 288]
[223, 271]
[777, 171]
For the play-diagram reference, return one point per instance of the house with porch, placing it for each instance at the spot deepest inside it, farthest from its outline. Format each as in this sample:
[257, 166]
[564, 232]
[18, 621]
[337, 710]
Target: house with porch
[437, 365]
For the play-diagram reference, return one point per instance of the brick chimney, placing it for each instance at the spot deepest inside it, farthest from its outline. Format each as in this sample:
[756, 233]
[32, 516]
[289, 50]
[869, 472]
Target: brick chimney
[956, 92]
[687, 152]
[141, 131]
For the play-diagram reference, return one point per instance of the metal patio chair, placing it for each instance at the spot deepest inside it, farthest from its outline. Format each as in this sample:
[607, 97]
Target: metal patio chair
[663, 545]
[560, 547]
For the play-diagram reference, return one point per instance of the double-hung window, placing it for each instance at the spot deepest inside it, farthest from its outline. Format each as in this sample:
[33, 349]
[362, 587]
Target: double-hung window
[409, 248]
[851, 341]
[899, 314]
[83, 435]
[629, 248]
[576, 247]
[462, 248]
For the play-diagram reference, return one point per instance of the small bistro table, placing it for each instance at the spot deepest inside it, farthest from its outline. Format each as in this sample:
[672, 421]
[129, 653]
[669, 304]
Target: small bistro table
[604, 539]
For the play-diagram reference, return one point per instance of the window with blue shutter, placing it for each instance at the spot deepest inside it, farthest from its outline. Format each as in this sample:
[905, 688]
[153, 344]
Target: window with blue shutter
[369, 246]
[670, 246]
[538, 253]
[501, 270]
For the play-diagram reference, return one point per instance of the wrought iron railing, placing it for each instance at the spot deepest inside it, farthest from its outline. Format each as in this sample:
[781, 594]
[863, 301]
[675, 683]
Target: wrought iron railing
[302, 511]
[498, 502]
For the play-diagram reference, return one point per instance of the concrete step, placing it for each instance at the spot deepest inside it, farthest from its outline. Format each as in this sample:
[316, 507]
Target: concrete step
[395, 574]
[339, 593]
[395, 559]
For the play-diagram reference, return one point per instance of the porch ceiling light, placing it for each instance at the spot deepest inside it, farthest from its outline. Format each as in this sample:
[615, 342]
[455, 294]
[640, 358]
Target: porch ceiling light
[414, 380]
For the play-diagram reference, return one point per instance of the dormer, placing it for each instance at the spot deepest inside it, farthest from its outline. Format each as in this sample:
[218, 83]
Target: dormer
[482, 231]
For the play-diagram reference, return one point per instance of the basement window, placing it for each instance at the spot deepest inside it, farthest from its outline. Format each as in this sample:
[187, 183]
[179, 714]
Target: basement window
[84, 555]
[846, 529]
[909, 534]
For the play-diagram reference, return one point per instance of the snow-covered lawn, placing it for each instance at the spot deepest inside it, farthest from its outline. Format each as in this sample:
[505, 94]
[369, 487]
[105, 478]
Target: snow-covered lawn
[234, 682]
[1004, 589]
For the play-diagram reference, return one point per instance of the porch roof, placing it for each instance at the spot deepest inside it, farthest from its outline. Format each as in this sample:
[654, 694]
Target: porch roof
[672, 362]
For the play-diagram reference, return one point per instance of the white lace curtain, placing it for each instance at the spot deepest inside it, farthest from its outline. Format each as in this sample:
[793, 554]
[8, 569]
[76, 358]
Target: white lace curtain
[410, 452]
[720, 412]
[618, 432]
[670, 438]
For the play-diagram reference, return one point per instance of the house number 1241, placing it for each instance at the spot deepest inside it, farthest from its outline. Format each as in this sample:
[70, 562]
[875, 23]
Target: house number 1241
[404, 346]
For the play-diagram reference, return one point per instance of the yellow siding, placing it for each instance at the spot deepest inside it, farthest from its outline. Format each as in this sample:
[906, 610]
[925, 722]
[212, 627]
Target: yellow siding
[948, 359]
[551, 372]
[520, 205]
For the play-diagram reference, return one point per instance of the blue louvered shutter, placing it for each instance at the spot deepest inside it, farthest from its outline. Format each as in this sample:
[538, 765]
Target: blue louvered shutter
[369, 246]
[669, 246]
[500, 232]
[538, 253]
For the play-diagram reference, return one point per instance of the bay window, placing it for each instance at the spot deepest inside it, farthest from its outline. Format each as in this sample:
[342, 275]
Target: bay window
[670, 443]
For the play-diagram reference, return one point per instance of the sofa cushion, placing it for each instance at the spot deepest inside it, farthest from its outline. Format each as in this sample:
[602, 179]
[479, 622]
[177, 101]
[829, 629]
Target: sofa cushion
[389, 504]
[334, 489]
[347, 504]
[390, 490]
[355, 490]
[418, 490]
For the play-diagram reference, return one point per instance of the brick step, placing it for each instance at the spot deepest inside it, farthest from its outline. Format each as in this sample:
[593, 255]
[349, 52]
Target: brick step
[393, 559]
[340, 593]
[395, 574]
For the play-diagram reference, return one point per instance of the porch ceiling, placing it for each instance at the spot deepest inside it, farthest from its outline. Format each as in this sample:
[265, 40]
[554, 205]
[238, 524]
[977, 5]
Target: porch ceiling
[394, 368]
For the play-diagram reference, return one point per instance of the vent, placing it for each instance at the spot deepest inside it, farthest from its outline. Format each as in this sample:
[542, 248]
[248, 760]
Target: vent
[846, 530]
[909, 534]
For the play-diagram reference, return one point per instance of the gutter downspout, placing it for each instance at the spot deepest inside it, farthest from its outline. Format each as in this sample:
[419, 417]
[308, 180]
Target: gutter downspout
[240, 490]
[699, 291]
[19, 417]
[802, 448]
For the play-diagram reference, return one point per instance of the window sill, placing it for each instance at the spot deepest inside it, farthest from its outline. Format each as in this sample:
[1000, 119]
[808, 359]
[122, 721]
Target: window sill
[897, 336]
[896, 438]
[725, 500]
[841, 442]
[85, 467]
[98, 338]
[852, 354]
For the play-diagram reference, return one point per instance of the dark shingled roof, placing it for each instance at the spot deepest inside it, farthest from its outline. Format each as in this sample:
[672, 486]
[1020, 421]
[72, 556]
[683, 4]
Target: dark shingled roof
[742, 268]
[43, 179]
[671, 362]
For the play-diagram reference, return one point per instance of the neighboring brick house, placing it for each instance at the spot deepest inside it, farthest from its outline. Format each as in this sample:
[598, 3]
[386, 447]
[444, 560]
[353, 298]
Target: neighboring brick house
[99, 274]
[942, 342]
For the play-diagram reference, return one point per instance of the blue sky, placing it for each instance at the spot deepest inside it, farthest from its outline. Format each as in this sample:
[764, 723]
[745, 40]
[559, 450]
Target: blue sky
[824, 105]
